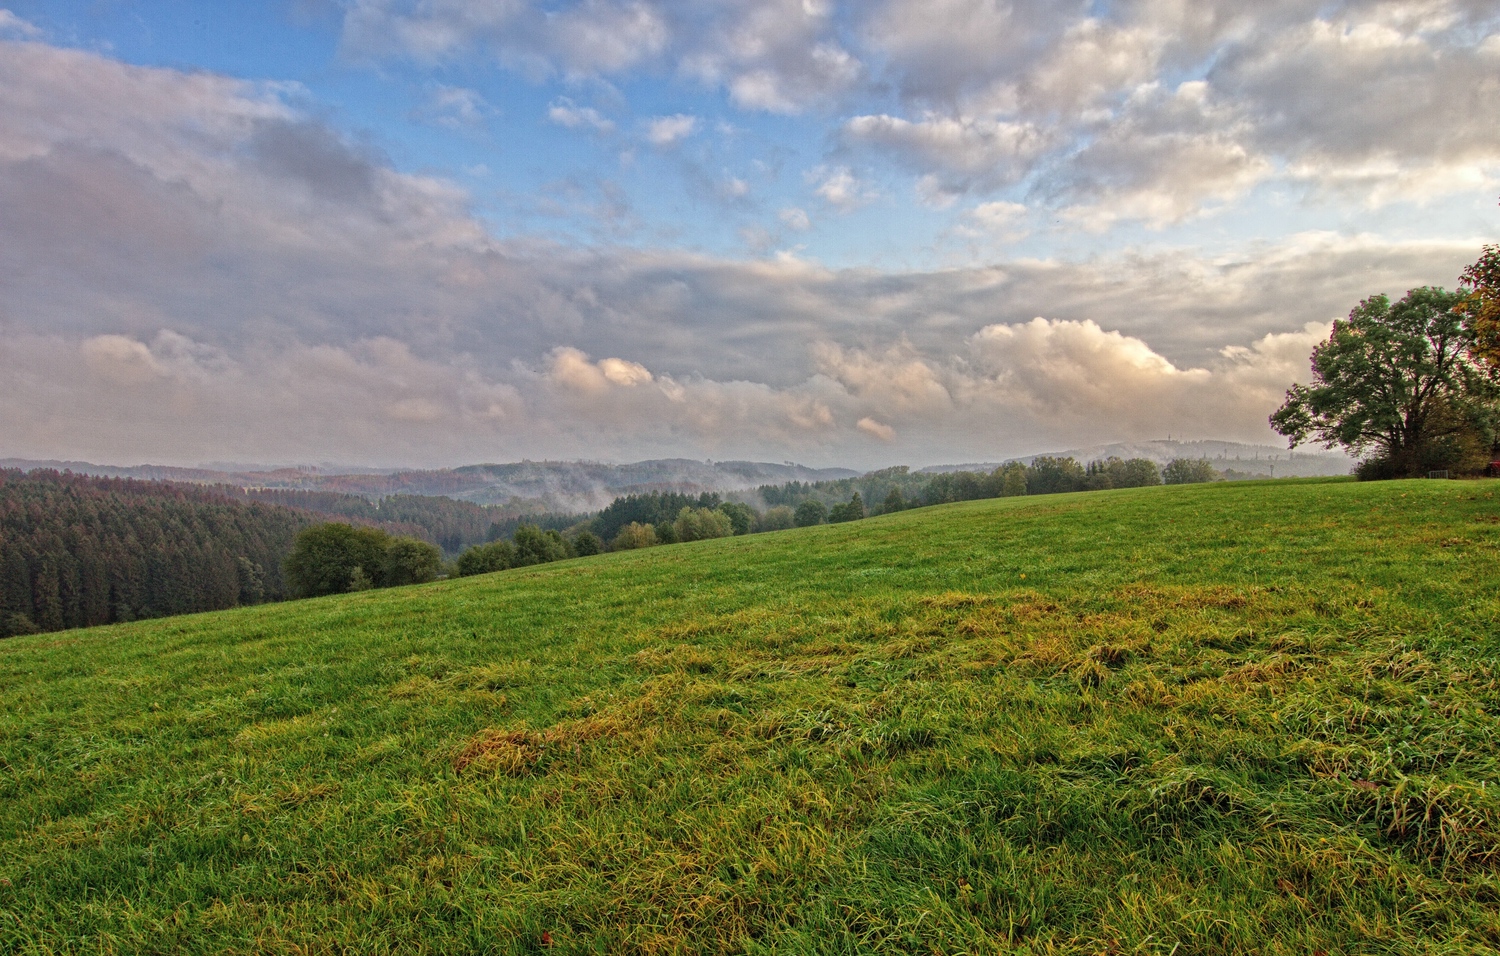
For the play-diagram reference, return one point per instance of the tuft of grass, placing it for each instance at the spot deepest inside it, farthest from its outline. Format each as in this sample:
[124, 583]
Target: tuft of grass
[1249, 718]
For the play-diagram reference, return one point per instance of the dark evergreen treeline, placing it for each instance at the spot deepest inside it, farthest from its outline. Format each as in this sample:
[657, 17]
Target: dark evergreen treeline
[449, 523]
[655, 508]
[78, 550]
[506, 527]
[446, 522]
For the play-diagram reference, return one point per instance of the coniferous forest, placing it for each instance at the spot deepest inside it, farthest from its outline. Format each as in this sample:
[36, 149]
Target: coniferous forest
[78, 550]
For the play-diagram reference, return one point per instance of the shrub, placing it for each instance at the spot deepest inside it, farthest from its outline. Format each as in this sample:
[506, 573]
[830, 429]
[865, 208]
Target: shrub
[634, 535]
[741, 516]
[698, 524]
[485, 558]
[809, 513]
[586, 543]
[325, 557]
[13, 623]
[1188, 471]
[535, 546]
[778, 518]
[409, 561]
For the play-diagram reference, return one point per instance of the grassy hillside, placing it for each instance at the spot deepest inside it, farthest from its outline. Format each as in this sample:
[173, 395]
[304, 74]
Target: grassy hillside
[1205, 719]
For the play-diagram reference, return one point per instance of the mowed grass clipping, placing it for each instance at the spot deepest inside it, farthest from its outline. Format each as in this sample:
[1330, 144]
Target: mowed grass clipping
[1238, 718]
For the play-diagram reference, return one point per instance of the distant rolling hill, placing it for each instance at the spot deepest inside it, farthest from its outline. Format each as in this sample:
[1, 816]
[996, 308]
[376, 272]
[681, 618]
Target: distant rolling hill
[570, 486]
[1272, 461]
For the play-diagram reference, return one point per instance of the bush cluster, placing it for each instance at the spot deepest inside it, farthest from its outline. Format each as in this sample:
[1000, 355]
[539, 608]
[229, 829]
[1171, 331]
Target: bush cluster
[335, 558]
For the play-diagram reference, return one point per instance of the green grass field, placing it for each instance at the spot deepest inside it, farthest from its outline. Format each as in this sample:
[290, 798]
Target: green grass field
[1231, 718]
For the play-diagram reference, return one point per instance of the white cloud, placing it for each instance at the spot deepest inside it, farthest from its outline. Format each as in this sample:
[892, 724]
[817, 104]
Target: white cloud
[733, 187]
[876, 429]
[779, 55]
[1367, 102]
[455, 107]
[964, 152]
[1000, 219]
[572, 369]
[896, 381]
[588, 38]
[121, 360]
[13, 26]
[663, 131]
[564, 112]
[795, 218]
[840, 188]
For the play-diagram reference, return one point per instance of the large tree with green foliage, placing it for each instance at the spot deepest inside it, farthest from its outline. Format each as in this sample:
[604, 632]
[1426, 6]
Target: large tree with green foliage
[1047, 475]
[1395, 383]
[1188, 471]
[410, 561]
[335, 557]
[486, 558]
[699, 524]
[741, 516]
[810, 512]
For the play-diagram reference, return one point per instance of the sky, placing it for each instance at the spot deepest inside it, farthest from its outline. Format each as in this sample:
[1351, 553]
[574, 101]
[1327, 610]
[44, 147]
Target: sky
[435, 232]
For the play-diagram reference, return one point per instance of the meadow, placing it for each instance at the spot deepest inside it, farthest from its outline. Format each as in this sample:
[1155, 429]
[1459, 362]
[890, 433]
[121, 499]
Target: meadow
[1252, 717]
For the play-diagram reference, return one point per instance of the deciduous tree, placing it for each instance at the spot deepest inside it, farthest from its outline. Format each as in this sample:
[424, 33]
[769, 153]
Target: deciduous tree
[1188, 471]
[1050, 476]
[698, 524]
[410, 561]
[1481, 306]
[485, 558]
[1012, 480]
[810, 512]
[741, 516]
[634, 535]
[325, 557]
[1396, 383]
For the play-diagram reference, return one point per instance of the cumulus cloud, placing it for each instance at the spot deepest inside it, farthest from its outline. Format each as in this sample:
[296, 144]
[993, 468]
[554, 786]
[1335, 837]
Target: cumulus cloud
[14, 27]
[663, 131]
[1373, 101]
[999, 218]
[1376, 102]
[591, 37]
[876, 429]
[454, 107]
[795, 218]
[564, 112]
[780, 56]
[572, 369]
[1168, 158]
[841, 188]
[965, 152]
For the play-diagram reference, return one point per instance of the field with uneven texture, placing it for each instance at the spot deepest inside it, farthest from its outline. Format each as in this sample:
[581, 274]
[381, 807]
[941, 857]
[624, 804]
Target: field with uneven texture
[1231, 718]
